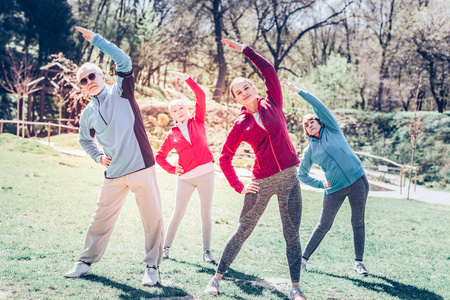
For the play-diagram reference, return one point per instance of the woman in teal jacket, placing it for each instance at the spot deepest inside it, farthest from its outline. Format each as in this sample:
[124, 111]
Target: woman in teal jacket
[345, 176]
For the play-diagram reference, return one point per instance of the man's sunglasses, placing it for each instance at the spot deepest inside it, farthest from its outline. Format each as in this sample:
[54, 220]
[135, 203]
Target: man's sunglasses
[91, 77]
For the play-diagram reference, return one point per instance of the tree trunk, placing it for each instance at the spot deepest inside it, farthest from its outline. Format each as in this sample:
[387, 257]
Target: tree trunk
[432, 75]
[220, 85]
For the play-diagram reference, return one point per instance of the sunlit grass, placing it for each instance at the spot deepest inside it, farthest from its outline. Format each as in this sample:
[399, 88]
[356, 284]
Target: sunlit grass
[47, 201]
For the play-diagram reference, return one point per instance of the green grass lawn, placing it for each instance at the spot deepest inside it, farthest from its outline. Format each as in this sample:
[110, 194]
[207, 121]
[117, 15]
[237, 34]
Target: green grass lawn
[47, 200]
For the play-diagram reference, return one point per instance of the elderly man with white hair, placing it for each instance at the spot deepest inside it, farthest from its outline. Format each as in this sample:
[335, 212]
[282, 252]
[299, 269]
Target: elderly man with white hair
[113, 116]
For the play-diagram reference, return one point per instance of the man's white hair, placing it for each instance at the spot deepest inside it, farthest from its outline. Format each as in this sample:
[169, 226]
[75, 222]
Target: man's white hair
[86, 66]
[175, 102]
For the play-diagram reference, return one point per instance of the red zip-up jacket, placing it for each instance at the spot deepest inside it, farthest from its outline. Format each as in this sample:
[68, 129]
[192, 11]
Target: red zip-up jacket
[273, 149]
[195, 153]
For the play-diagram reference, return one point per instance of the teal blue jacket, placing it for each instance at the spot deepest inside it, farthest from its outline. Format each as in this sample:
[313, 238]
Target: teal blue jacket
[331, 152]
[114, 118]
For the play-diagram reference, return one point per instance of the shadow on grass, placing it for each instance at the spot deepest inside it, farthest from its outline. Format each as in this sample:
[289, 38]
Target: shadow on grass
[391, 287]
[129, 292]
[244, 281]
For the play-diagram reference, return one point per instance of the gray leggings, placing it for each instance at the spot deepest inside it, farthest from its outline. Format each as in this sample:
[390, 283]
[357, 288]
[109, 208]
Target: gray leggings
[286, 186]
[357, 196]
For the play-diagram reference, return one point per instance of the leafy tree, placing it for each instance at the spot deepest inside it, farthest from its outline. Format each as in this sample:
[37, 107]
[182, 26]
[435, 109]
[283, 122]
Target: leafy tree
[338, 79]
[430, 37]
[48, 25]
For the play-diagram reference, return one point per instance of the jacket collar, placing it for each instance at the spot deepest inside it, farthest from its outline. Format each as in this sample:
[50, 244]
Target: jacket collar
[100, 97]
[182, 124]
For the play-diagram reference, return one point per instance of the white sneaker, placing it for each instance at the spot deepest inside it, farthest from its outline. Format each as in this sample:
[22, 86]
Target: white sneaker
[207, 257]
[296, 294]
[213, 286]
[361, 269]
[303, 264]
[80, 269]
[150, 276]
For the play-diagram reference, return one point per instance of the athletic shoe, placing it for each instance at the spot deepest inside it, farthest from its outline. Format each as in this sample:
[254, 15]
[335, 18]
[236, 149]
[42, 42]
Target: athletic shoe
[296, 294]
[213, 286]
[303, 264]
[207, 257]
[166, 253]
[80, 269]
[150, 276]
[361, 269]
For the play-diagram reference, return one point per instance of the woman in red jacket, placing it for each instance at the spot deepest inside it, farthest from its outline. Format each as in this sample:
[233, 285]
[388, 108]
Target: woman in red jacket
[262, 124]
[195, 167]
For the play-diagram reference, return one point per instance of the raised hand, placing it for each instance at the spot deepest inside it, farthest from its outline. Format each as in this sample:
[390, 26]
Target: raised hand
[291, 85]
[252, 187]
[87, 34]
[233, 45]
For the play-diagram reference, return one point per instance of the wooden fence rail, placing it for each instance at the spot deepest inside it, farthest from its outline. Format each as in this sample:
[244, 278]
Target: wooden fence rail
[384, 168]
[46, 124]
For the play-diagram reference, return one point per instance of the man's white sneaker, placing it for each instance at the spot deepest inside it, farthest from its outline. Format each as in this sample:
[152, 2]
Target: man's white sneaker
[150, 276]
[80, 269]
[361, 269]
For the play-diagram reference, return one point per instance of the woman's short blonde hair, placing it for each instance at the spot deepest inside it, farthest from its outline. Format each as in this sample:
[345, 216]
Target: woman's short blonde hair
[175, 102]
[241, 79]
[308, 117]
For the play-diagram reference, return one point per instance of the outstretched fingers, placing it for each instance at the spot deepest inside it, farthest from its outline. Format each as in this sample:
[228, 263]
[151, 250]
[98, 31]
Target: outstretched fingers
[233, 45]
[291, 85]
[87, 34]
[252, 187]
[178, 74]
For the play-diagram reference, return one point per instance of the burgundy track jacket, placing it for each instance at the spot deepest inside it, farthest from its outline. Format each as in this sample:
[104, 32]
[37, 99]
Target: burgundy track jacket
[273, 148]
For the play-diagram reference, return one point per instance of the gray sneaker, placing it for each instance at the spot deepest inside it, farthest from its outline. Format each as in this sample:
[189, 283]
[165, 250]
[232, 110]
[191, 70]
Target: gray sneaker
[80, 269]
[207, 257]
[166, 252]
[213, 286]
[296, 294]
[361, 269]
[303, 264]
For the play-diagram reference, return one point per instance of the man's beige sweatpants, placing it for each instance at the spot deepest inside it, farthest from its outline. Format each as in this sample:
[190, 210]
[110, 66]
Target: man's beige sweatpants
[114, 191]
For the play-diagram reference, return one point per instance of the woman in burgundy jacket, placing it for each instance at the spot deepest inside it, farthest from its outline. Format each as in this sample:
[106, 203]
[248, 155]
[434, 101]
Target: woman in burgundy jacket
[262, 124]
[195, 167]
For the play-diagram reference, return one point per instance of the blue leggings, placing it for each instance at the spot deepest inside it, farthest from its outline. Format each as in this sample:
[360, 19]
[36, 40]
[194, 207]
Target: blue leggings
[357, 196]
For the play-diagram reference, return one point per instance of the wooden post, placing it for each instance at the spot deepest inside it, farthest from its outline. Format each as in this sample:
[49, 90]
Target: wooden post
[1, 126]
[404, 178]
[48, 133]
[60, 116]
[401, 175]
[23, 118]
[415, 180]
